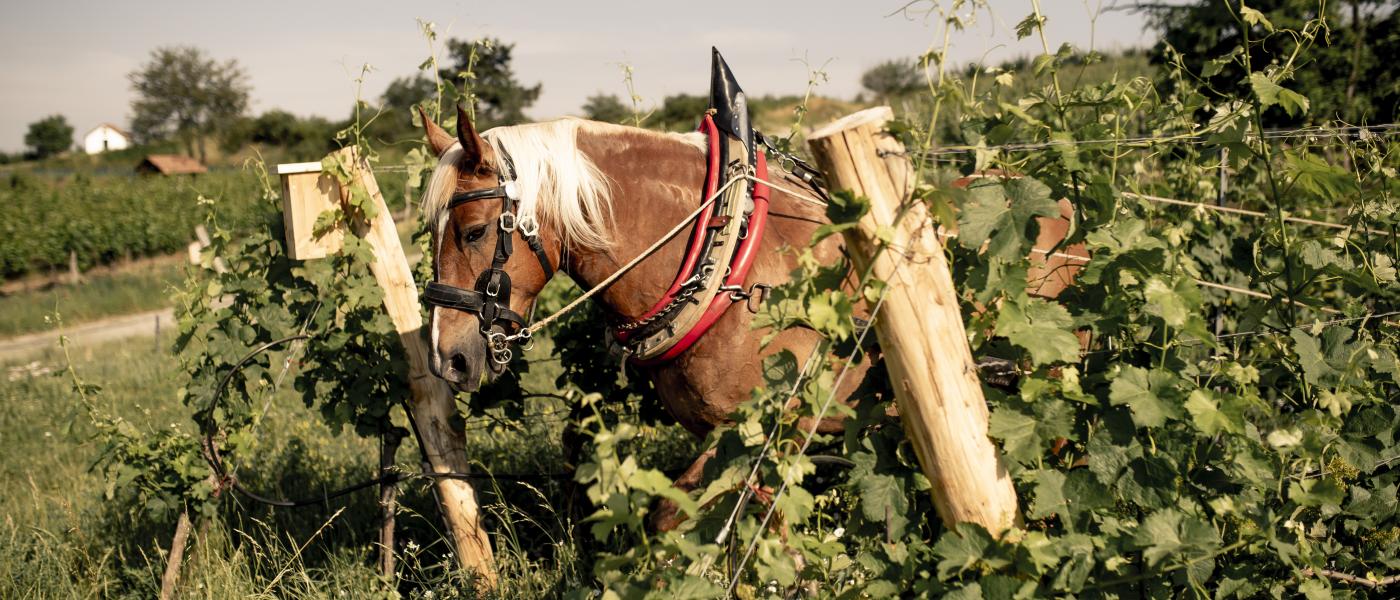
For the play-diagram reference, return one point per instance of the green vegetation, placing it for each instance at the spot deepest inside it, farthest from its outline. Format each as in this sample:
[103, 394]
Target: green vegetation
[1209, 443]
[49, 136]
[68, 533]
[125, 291]
[106, 218]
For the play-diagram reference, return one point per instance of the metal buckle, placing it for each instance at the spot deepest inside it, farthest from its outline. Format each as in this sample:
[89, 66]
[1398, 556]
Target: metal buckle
[493, 287]
[508, 223]
[527, 225]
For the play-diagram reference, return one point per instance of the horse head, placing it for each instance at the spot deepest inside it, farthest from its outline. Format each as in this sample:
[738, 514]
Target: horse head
[489, 261]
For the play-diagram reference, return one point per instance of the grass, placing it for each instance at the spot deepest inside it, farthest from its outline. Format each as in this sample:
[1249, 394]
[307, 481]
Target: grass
[65, 532]
[141, 287]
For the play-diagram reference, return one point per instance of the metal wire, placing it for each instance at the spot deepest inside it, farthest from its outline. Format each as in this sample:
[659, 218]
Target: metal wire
[1183, 138]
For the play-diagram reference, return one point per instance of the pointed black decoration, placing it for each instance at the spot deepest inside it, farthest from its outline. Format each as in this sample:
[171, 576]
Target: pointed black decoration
[728, 99]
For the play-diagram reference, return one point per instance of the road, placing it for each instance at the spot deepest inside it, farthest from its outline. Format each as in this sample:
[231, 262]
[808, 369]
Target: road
[87, 334]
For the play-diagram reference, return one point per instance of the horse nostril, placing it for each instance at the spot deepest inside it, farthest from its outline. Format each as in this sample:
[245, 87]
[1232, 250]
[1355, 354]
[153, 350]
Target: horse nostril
[458, 363]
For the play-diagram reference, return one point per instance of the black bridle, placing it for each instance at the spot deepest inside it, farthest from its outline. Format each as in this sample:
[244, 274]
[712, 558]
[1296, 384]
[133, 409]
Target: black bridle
[490, 300]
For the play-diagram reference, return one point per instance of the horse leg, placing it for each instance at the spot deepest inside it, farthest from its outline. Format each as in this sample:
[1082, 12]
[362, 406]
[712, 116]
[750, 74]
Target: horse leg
[665, 515]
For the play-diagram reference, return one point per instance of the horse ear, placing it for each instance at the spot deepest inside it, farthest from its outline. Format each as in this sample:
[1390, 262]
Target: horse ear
[473, 147]
[438, 138]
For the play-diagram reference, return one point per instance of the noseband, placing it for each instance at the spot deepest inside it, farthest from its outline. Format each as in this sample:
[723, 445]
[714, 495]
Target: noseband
[490, 300]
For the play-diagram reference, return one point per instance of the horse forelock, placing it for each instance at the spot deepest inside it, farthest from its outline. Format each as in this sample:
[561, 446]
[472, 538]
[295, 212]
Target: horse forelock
[558, 185]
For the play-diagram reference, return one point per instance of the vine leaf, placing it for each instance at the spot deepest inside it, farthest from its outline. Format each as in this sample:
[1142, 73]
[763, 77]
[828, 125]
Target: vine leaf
[988, 217]
[1270, 93]
[1041, 327]
[1142, 392]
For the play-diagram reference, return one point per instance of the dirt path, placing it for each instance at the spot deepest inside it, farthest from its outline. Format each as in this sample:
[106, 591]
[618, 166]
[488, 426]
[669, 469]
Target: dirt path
[142, 325]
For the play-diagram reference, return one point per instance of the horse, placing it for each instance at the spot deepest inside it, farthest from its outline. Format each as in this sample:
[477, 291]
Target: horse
[598, 195]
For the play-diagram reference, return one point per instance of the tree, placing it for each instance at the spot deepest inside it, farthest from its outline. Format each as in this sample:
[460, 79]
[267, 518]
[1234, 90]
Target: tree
[893, 78]
[1350, 72]
[49, 136]
[482, 69]
[607, 108]
[680, 112]
[183, 92]
[395, 121]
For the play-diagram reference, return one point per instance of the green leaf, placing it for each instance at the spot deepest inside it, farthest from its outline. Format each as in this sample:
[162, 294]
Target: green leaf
[1028, 25]
[961, 549]
[1315, 365]
[1149, 394]
[1271, 93]
[1041, 327]
[1323, 491]
[883, 500]
[1174, 303]
[1169, 534]
[999, 214]
[1254, 17]
[1017, 434]
[1213, 412]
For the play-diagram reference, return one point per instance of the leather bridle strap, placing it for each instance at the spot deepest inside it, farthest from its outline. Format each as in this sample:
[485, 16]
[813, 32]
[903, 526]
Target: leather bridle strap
[490, 300]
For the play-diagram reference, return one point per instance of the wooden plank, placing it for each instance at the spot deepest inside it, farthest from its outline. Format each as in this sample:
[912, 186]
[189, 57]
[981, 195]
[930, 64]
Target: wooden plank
[920, 326]
[432, 408]
[306, 193]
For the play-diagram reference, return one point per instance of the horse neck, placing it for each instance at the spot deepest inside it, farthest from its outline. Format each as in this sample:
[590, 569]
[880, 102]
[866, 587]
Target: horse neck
[655, 183]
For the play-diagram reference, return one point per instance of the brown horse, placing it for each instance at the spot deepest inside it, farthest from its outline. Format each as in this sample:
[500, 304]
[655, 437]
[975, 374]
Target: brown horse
[601, 194]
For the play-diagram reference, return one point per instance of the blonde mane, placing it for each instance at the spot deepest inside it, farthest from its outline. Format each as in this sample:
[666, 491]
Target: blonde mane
[559, 187]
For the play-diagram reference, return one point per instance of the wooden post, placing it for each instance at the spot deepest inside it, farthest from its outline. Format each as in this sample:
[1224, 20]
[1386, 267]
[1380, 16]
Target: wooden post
[920, 326]
[388, 501]
[176, 558]
[432, 408]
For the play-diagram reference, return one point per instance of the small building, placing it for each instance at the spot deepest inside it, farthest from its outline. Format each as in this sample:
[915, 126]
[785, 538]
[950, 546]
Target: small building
[170, 164]
[105, 137]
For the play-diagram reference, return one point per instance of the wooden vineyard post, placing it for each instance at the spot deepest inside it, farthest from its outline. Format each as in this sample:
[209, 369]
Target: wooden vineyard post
[432, 408]
[920, 327]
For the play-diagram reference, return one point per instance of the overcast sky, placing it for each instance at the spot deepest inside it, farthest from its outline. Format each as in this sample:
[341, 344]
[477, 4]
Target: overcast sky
[72, 57]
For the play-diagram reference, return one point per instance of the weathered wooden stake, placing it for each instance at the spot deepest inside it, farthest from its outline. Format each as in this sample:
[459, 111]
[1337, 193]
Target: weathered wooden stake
[432, 408]
[176, 558]
[920, 326]
[388, 501]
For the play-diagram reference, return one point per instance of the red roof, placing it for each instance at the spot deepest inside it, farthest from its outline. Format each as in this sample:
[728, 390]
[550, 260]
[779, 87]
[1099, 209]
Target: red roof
[171, 164]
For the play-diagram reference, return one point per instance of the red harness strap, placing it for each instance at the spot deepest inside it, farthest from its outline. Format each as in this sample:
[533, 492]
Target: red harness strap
[743, 256]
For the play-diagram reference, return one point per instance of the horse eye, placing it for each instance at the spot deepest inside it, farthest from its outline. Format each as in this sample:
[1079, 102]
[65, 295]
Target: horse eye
[474, 233]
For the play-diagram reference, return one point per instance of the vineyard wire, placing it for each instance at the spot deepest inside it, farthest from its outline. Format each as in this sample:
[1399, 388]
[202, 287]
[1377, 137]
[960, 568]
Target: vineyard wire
[1362, 132]
[816, 422]
[1262, 332]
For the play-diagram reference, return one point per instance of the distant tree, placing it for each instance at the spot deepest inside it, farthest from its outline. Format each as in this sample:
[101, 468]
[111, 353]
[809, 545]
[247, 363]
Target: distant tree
[6, 158]
[680, 112]
[1350, 73]
[500, 98]
[606, 107]
[395, 122]
[49, 136]
[893, 78]
[184, 93]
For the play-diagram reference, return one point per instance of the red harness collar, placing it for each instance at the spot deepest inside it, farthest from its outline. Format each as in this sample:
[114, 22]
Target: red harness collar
[739, 265]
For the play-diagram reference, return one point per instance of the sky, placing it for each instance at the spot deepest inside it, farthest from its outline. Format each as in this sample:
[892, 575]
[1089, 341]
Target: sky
[72, 57]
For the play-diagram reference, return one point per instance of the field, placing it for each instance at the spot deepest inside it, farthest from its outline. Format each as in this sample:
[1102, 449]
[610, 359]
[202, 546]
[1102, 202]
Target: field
[68, 533]
[1230, 428]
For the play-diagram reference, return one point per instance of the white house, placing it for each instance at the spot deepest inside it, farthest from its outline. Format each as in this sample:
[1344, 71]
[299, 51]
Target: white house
[105, 137]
